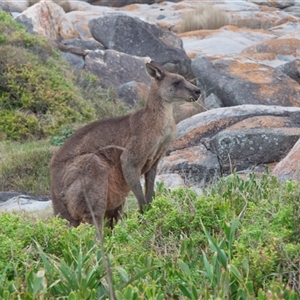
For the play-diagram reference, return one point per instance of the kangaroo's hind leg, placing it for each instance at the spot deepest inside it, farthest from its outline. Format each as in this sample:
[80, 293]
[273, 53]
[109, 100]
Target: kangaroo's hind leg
[87, 189]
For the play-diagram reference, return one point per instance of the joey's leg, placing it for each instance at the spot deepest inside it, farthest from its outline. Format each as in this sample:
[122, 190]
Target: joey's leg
[149, 182]
[132, 172]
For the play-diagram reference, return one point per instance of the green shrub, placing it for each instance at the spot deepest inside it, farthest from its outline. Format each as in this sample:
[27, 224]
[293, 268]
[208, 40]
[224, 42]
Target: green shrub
[239, 240]
[25, 167]
[39, 93]
[39, 90]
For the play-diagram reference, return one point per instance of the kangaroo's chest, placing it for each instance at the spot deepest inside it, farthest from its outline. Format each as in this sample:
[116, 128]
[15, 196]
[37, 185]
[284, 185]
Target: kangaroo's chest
[161, 145]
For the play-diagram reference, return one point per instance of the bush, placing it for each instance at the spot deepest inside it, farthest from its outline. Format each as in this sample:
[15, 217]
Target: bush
[239, 240]
[39, 93]
[25, 167]
[203, 16]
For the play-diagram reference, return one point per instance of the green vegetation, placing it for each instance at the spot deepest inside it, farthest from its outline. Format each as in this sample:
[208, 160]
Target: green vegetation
[25, 167]
[239, 240]
[39, 93]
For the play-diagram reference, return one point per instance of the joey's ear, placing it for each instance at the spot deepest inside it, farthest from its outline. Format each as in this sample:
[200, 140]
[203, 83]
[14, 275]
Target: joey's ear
[155, 71]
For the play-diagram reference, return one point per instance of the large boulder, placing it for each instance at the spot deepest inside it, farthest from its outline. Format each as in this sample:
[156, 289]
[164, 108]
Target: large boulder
[115, 68]
[218, 141]
[239, 80]
[118, 3]
[275, 3]
[291, 69]
[289, 167]
[48, 19]
[136, 37]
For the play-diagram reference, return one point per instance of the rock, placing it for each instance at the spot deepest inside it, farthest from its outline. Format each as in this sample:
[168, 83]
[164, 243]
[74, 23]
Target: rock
[4, 6]
[284, 47]
[119, 3]
[135, 37]
[64, 4]
[114, 68]
[15, 6]
[228, 40]
[170, 181]
[275, 3]
[197, 166]
[16, 201]
[81, 44]
[237, 80]
[75, 61]
[221, 140]
[291, 69]
[288, 168]
[48, 19]
[133, 92]
[294, 10]
[212, 101]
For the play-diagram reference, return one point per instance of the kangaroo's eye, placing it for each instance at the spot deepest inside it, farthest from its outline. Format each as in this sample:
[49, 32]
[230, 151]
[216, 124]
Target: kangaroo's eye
[176, 83]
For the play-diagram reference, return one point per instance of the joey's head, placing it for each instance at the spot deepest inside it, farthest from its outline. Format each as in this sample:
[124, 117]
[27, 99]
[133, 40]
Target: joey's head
[171, 87]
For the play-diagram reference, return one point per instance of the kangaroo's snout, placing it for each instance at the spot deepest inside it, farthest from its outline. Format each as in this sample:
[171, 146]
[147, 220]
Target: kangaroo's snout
[195, 93]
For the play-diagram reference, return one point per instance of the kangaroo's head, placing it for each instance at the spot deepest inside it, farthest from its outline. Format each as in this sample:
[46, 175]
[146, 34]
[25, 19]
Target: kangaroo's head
[171, 87]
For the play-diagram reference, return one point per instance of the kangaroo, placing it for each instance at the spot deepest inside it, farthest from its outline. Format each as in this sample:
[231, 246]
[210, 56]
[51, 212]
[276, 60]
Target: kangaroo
[96, 168]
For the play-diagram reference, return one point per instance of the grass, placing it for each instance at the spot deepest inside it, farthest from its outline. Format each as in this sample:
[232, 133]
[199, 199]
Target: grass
[239, 240]
[25, 167]
[209, 17]
[204, 16]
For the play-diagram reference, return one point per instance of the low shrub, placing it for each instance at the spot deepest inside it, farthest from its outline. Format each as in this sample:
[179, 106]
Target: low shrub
[39, 93]
[25, 167]
[239, 240]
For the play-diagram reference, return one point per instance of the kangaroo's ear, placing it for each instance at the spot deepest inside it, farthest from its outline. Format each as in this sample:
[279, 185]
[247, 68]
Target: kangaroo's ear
[155, 71]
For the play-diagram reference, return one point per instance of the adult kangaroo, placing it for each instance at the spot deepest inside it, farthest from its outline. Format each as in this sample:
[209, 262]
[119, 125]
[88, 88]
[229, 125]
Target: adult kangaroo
[95, 169]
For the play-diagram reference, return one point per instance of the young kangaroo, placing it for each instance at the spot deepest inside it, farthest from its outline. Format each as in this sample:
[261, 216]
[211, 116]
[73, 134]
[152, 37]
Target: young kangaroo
[95, 169]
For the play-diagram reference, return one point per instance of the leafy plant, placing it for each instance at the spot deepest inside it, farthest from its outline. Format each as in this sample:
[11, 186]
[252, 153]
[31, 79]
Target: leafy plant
[58, 140]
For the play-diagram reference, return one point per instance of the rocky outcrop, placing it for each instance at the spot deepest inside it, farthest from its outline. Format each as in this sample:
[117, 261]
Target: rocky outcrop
[289, 167]
[48, 19]
[216, 142]
[18, 201]
[253, 62]
[238, 80]
[136, 37]
[115, 68]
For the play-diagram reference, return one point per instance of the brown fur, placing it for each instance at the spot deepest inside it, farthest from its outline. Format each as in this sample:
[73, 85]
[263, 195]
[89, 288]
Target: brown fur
[100, 163]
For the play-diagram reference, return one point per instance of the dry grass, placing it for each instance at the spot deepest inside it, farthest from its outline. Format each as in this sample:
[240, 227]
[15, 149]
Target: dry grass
[207, 16]
[204, 16]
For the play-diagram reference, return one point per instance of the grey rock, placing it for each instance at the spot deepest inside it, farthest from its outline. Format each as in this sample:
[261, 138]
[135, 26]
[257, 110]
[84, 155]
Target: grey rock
[291, 69]
[130, 92]
[212, 101]
[27, 22]
[82, 44]
[196, 165]
[242, 138]
[242, 149]
[75, 61]
[136, 37]
[237, 81]
[114, 68]
[5, 196]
